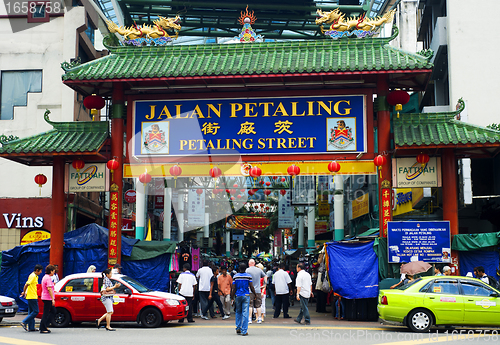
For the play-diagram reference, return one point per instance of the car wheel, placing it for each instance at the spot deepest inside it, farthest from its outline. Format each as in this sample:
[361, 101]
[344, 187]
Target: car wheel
[151, 318]
[420, 320]
[62, 318]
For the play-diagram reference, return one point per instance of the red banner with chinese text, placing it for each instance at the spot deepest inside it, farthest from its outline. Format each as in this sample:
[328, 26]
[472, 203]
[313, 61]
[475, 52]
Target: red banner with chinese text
[113, 229]
[386, 209]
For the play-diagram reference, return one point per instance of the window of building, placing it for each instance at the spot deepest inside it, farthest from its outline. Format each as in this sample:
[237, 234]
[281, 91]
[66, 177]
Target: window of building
[39, 11]
[15, 86]
[90, 32]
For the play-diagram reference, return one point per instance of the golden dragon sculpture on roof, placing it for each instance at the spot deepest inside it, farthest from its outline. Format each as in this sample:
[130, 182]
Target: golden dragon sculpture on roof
[157, 30]
[340, 23]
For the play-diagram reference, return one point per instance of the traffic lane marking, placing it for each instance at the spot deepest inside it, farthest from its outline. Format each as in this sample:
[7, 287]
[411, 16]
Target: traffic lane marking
[431, 339]
[14, 341]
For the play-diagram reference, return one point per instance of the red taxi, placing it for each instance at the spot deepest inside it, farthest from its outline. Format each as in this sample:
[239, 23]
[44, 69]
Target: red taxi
[78, 299]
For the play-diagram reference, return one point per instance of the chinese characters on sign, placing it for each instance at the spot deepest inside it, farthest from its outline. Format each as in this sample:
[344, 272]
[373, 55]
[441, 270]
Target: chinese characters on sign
[386, 208]
[286, 216]
[113, 229]
[196, 208]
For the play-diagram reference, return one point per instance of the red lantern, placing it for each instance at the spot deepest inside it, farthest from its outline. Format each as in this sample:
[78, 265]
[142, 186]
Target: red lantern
[233, 191]
[255, 172]
[40, 180]
[268, 183]
[199, 191]
[78, 164]
[423, 159]
[112, 165]
[275, 177]
[256, 206]
[283, 192]
[397, 98]
[379, 161]
[283, 179]
[215, 172]
[228, 191]
[94, 103]
[232, 198]
[251, 192]
[267, 208]
[267, 192]
[261, 182]
[239, 196]
[175, 171]
[334, 167]
[145, 178]
[293, 170]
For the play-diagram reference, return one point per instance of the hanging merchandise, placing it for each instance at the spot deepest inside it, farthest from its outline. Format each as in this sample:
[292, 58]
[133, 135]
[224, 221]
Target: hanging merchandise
[195, 255]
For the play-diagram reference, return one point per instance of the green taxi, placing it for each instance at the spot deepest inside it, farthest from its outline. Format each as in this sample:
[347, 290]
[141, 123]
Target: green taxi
[440, 300]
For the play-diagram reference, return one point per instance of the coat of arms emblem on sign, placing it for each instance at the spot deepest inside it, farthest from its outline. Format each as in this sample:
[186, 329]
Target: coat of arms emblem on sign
[154, 139]
[340, 135]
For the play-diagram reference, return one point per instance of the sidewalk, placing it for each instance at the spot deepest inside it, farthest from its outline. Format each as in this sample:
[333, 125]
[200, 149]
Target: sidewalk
[317, 319]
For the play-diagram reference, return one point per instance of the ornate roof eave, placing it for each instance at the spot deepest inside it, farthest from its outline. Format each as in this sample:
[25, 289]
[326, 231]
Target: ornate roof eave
[67, 139]
[434, 131]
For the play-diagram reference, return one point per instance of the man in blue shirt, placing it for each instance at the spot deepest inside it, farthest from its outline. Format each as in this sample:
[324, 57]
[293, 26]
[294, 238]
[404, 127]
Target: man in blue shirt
[240, 293]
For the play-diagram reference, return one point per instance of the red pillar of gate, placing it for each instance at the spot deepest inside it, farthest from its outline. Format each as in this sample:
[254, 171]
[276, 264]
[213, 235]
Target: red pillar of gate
[117, 152]
[450, 199]
[450, 193]
[57, 215]
[384, 147]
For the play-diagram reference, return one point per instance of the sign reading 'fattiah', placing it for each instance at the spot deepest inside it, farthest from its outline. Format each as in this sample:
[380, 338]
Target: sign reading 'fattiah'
[408, 173]
[250, 126]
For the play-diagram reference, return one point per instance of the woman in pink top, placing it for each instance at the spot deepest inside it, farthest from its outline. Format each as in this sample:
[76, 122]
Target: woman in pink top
[48, 299]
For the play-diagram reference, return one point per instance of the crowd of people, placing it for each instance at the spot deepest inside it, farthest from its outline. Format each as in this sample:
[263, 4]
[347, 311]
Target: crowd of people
[243, 291]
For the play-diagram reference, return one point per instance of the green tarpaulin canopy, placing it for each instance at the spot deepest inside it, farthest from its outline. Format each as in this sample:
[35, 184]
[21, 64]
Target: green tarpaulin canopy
[467, 242]
[144, 250]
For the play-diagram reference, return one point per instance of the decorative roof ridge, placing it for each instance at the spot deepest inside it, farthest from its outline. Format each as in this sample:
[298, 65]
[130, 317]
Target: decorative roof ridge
[180, 49]
[439, 116]
[425, 58]
[77, 126]
[468, 124]
[20, 140]
[75, 66]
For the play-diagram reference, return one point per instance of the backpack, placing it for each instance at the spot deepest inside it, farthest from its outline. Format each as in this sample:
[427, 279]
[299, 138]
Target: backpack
[493, 282]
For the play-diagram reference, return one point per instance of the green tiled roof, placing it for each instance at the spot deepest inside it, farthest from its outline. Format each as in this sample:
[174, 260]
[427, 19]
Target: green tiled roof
[66, 137]
[434, 129]
[344, 55]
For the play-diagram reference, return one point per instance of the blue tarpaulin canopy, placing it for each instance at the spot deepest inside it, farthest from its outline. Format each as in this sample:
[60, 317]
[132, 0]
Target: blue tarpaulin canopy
[353, 269]
[82, 247]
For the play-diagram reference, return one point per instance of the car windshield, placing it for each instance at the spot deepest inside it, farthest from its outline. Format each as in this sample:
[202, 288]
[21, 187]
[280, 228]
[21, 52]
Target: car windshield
[135, 284]
[406, 286]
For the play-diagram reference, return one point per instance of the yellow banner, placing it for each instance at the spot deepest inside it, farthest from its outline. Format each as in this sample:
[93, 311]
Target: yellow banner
[323, 207]
[364, 167]
[360, 206]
